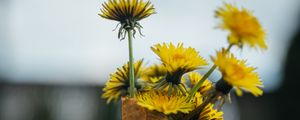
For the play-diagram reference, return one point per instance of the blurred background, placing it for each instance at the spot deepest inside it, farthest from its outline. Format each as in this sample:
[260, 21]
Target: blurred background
[56, 55]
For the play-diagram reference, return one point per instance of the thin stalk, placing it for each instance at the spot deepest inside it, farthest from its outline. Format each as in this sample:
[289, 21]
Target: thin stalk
[206, 75]
[131, 65]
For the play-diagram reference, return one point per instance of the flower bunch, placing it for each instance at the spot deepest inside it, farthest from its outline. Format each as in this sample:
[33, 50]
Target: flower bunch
[173, 88]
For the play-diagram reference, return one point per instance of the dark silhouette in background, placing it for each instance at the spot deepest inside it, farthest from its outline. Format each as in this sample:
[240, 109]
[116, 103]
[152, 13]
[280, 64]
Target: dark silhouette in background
[288, 94]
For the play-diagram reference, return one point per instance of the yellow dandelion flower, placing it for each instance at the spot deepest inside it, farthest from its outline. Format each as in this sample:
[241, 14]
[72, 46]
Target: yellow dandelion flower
[118, 83]
[237, 74]
[154, 73]
[209, 113]
[195, 77]
[198, 99]
[243, 26]
[127, 12]
[155, 100]
[177, 60]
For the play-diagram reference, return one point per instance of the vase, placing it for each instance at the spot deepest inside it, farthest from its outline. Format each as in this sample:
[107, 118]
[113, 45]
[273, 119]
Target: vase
[132, 111]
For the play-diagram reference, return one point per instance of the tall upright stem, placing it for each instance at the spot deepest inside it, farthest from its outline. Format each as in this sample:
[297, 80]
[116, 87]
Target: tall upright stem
[206, 75]
[131, 65]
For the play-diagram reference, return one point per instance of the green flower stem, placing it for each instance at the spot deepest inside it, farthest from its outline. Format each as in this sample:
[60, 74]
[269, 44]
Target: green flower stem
[198, 85]
[131, 65]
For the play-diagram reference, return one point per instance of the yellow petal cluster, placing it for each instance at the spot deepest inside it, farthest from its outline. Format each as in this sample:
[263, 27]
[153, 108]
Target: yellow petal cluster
[198, 99]
[195, 77]
[244, 28]
[178, 58]
[119, 82]
[157, 100]
[154, 73]
[236, 73]
[209, 113]
[122, 10]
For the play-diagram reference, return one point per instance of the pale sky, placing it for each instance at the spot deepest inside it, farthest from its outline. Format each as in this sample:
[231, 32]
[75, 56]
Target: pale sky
[65, 41]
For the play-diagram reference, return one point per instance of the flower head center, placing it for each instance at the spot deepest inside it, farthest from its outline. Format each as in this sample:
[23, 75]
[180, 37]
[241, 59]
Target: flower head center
[178, 56]
[235, 71]
[243, 24]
